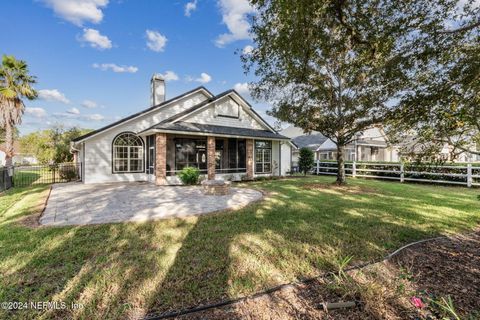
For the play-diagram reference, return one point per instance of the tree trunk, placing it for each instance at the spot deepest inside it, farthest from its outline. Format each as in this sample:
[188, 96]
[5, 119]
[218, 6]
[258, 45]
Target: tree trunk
[8, 144]
[341, 164]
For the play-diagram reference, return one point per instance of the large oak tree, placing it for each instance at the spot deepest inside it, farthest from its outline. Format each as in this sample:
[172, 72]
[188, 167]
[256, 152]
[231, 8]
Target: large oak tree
[442, 106]
[336, 66]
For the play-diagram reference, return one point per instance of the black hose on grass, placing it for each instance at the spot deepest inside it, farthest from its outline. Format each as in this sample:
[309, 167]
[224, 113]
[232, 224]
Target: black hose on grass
[279, 287]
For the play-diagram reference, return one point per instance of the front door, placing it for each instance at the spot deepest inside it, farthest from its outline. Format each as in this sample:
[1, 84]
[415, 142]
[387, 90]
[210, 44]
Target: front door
[150, 163]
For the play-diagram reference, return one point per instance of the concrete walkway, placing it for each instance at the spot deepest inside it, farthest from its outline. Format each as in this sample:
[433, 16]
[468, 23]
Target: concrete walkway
[80, 204]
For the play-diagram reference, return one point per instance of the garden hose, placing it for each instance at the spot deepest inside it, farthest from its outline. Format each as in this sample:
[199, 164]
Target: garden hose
[223, 303]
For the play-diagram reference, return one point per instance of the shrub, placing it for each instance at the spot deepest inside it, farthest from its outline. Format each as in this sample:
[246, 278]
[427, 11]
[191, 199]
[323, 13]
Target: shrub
[306, 160]
[68, 173]
[189, 175]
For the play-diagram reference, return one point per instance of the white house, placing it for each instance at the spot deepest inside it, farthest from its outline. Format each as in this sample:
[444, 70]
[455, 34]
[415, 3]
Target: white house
[221, 135]
[369, 145]
[19, 158]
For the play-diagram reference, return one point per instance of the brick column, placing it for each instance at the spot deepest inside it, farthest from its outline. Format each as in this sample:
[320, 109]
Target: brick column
[211, 158]
[249, 158]
[161, 159]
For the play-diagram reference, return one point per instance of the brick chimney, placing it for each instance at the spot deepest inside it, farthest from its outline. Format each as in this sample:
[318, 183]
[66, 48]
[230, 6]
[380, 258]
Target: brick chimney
[157, 87]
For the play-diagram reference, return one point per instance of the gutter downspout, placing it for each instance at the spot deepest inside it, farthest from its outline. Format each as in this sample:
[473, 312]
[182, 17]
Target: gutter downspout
[280, 158]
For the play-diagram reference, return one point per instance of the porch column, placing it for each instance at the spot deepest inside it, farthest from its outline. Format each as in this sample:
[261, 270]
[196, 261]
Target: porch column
[211, 158]
[249, 158]
[161, 159]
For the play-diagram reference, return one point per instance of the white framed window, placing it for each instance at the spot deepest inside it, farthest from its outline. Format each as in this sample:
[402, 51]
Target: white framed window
[127, 154]
[263, 156]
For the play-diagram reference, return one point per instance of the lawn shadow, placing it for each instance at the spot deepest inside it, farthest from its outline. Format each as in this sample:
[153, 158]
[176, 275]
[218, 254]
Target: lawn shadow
[277, 241]
[129, 270]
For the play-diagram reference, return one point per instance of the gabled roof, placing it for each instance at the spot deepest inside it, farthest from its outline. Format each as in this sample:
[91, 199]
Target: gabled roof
[216, 98]
[92, 133]
[214, 129]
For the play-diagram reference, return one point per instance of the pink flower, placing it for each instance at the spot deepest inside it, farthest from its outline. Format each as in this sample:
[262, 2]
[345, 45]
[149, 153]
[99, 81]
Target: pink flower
[417, 302]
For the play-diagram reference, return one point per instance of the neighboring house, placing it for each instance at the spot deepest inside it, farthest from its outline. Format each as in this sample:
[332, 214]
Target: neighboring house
[219, 134]
[19, 158]
[369, 145]
[446, 153]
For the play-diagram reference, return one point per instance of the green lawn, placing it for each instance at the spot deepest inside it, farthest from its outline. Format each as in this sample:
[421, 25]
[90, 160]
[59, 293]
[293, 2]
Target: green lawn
[128, 270]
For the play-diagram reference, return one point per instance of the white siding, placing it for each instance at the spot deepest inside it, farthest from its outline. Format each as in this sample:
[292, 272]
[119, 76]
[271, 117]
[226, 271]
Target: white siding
[96, 153]
[98, 149]
[285, 163]
[210, 115]
[374, 134]
[275, 158]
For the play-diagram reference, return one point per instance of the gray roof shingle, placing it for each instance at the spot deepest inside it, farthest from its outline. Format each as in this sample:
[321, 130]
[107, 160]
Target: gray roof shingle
[311, 141]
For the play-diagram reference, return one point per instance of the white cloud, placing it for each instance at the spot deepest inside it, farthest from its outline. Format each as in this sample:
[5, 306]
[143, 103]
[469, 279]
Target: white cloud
[242, 88]
[36, 112]
[204, 78]
[78, 11]
[77, 116]
[155, 40]
[169, 76]
[234, 16]
[52, 95]
[95, 117]
[89, 104]
[247, 49]
[115, 68]
[190, 7]
[74, 111]
[95, 39]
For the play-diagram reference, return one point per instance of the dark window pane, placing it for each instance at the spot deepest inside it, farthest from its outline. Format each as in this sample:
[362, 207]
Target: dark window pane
[263, 144]
[191, 153]
[242, 154]
[267, 167]
[232, 153]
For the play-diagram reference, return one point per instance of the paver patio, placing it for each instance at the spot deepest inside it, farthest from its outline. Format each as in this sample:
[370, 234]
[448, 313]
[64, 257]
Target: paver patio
[80, 204]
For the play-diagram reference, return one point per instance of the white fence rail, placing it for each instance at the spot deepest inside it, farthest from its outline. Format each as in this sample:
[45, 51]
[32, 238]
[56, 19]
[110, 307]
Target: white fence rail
[464, 174]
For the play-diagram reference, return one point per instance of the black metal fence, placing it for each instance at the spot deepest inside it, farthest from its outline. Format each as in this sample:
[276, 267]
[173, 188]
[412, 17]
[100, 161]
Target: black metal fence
[6, 179]
[24, 176]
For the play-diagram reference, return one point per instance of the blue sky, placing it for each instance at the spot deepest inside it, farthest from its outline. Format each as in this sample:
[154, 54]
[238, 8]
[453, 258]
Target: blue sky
[94, 58]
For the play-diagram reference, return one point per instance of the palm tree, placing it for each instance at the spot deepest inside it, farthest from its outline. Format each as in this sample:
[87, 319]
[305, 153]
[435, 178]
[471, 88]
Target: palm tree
[15, 84]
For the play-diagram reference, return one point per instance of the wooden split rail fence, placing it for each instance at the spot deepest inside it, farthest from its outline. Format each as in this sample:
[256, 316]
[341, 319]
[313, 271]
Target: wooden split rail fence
[467, 174]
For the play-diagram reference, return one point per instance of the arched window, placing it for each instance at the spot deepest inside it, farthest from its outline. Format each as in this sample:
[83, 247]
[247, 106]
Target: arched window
[127, 153]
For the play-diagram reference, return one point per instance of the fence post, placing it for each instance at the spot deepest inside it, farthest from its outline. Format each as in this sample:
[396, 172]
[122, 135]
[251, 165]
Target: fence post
[402, 172]
[469, 175]
[53, 174]
[318, 167]
[354, 168]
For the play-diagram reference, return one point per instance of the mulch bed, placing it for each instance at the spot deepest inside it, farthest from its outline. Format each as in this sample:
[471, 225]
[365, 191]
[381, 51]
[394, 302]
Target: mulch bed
[446, 267]
[430, 270]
